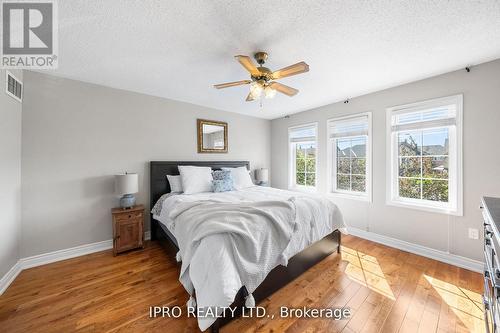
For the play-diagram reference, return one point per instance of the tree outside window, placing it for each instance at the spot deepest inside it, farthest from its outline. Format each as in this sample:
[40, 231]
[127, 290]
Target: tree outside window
[423, 164]
[305, 164]
[351, 164]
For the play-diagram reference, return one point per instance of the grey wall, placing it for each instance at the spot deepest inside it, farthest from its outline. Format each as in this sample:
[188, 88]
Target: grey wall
[76, 136]
[10, 176]
[481, 90]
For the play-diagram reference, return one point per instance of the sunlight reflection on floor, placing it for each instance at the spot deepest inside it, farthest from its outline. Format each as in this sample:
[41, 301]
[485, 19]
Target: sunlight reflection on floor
[366, 270]
[467, 305]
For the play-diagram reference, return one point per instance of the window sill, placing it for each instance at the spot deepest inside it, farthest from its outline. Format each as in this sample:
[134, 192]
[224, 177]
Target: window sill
[365, 198]
[423, 207]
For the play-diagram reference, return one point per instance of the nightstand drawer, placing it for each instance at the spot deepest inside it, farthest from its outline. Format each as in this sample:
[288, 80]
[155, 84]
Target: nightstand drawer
[129, 216]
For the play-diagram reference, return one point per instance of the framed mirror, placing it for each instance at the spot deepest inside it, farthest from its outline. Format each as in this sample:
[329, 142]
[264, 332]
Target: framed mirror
[212, 136]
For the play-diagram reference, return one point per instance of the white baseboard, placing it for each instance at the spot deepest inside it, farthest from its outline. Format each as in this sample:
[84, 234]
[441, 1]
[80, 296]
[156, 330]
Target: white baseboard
[47, 258]
[449, 258]
[9, 277]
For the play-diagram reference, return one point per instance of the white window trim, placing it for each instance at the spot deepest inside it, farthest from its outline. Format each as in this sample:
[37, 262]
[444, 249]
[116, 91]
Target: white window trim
[291, 161]
[331, 179]
[456, 183]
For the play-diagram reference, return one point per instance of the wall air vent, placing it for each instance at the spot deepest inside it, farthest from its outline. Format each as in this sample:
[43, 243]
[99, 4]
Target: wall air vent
[14, 87]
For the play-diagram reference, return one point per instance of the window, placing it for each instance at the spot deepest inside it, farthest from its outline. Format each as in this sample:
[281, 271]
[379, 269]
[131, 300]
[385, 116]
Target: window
[349, 156]
[303, 156]
[426, 155]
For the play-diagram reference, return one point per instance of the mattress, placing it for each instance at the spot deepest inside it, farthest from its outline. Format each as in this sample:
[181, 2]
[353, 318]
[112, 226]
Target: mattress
[300, 240]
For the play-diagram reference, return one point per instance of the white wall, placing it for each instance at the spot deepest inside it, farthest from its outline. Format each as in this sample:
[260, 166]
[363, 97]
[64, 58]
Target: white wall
[76, 136]
[481, 90]
[10, 176]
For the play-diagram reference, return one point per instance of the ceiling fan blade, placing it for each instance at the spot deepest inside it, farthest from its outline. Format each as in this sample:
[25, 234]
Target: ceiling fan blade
[246, 62]
[298, 68]
[284, 89]
[250, 97]
[232, 84]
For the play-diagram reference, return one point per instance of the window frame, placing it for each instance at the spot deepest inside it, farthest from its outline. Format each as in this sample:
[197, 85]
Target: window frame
[292, 185]
[455, 157]
[332, 156]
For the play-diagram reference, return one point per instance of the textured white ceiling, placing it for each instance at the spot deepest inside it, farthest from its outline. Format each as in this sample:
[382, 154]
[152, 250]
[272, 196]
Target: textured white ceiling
[179, 49]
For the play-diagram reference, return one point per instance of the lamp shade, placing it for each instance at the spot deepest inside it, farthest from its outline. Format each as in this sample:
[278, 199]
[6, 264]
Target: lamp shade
[262, 175]
[126, 183]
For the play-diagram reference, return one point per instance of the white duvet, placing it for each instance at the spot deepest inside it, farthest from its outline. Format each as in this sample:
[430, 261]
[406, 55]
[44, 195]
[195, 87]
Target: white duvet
[246, 234]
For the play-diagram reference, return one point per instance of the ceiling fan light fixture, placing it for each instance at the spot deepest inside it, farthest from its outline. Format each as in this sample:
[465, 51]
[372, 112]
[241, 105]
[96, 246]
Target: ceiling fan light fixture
[256, 89]
[269, 92]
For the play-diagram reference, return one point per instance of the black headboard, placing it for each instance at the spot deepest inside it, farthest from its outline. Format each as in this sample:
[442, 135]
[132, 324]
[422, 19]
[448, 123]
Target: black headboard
[160, 169]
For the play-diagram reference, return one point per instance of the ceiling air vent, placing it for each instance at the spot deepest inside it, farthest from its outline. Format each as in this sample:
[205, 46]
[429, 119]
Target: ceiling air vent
[14, 87]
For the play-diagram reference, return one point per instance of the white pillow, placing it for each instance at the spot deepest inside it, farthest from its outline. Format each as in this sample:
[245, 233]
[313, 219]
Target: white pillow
[241, 177]
[195, 179]
[175, 183]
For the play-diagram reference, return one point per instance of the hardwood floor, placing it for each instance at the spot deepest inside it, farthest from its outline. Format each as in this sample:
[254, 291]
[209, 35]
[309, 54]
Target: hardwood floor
[388, 290]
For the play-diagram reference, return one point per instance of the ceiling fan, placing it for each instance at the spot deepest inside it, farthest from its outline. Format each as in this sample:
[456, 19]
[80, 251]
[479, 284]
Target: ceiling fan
[262, 78]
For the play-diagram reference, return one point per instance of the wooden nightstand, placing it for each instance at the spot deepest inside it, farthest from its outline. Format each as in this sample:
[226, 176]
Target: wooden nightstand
[128, 228]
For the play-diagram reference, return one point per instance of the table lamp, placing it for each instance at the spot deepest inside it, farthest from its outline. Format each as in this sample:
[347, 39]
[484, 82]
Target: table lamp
[262, 176]
[126, 185]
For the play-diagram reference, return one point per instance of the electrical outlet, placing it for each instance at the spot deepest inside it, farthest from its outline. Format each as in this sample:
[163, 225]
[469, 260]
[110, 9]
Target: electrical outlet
[473, 233]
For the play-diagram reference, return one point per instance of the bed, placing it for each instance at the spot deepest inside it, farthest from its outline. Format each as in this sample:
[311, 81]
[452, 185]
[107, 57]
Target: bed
[300, 259]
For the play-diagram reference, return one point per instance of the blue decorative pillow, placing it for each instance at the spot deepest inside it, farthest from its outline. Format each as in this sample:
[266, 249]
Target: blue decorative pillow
[222, 181]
